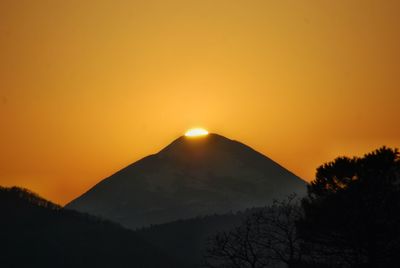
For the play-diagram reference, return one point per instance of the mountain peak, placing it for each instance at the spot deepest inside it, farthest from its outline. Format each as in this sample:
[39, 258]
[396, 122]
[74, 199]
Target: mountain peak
[208, 140]
[210, 149]
[192, 176]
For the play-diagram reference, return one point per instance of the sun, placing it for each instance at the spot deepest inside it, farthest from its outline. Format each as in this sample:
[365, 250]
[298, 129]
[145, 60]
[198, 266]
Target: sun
[196, 132]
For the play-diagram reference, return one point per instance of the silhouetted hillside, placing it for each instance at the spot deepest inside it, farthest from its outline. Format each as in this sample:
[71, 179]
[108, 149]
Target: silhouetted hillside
[190, 177]
[37, 233]
[186, 240]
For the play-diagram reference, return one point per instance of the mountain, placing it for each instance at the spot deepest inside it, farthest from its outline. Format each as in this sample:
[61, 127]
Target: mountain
[190, 177]
[37, 233]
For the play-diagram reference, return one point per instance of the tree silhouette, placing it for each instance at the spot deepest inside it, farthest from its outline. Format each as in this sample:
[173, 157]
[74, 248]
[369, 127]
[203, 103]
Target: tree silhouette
[267, 238]
[352, 210]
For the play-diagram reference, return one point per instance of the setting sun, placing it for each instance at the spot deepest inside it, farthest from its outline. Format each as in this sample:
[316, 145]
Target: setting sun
[196, 132]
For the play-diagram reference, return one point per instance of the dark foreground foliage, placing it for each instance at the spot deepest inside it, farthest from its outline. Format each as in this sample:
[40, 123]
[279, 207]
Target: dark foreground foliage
[352, 212]
[350, 218]
[267, 238]
[37, 233]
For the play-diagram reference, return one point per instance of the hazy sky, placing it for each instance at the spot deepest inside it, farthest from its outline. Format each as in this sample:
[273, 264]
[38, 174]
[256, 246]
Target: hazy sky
[87, 87]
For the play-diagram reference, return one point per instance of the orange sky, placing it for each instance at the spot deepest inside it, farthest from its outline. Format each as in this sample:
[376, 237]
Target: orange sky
[87, 87]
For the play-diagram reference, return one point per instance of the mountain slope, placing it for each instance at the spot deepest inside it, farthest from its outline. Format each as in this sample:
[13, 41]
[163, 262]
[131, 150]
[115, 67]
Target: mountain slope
[190, 177]
[37, 233]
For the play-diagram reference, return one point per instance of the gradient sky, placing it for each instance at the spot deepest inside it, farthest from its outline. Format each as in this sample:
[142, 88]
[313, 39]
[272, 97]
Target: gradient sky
[89, 86]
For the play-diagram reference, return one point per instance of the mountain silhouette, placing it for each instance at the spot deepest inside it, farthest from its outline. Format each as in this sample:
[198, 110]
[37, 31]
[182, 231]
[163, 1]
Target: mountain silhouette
[188, 178]
[37, 233]
[187, 240]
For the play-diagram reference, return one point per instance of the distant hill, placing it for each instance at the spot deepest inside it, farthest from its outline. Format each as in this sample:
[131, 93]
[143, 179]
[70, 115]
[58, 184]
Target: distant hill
[37, 233]
[190, 177]
[186, 240]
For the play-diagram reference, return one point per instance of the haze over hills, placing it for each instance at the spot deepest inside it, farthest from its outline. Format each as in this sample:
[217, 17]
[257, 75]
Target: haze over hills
[190, 177]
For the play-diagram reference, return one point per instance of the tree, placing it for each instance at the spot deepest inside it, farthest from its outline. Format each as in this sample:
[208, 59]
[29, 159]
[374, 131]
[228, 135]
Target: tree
[351, 213]
[267, 238]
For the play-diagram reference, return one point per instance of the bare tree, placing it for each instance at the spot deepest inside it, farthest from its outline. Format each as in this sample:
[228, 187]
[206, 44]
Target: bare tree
[267, 238]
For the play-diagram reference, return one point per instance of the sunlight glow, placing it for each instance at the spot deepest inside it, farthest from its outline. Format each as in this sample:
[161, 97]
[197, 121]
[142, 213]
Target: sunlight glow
[196, 132]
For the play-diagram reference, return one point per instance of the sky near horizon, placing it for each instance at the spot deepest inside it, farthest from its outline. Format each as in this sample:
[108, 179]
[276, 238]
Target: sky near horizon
[87, 87]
